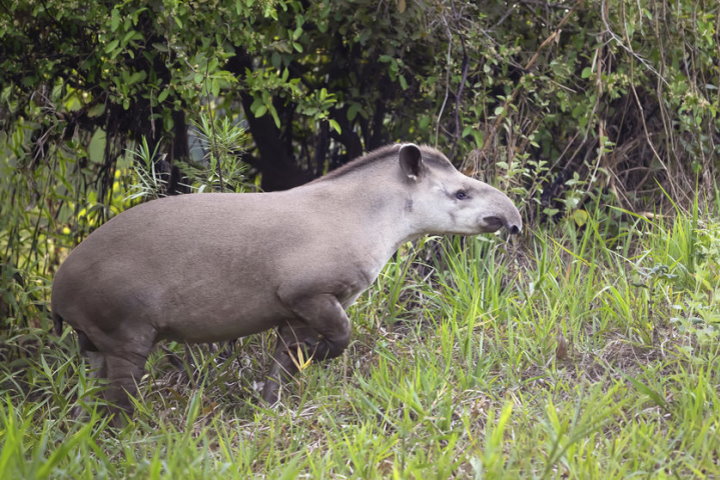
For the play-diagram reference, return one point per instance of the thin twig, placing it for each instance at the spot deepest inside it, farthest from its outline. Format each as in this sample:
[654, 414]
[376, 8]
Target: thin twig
[447, 84]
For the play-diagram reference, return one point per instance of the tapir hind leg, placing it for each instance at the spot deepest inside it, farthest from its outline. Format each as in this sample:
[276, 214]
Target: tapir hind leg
[96, 361]
[124, 372]
[121, 360]
[97, 364]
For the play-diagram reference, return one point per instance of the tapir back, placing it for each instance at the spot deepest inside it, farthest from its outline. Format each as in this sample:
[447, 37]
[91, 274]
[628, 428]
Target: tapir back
[197, 267]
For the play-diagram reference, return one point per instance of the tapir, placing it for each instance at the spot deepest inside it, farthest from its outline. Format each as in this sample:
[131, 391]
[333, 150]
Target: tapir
[218, 266]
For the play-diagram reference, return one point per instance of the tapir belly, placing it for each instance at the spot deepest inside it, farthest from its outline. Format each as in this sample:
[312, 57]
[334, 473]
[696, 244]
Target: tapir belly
[105, 299]
[205, 316]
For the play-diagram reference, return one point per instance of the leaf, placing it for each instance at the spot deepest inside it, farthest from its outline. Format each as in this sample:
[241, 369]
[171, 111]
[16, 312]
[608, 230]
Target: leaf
[112, 45]
[586, 73]
[274, 115]
[403, 82]
[128, 36]
[96, 148]
[259, 111]
[215, 87]
[297, 33]
[137, 77]
[496, 435]
[401, 6]
[353, 111]
[579, 111]
[163, 95]
[114, 19]
[96, 110]
[654, 395]
[73, 102]
[581, 217]
[335, 125]
[475, 134]
[65, 449]
[275, 60]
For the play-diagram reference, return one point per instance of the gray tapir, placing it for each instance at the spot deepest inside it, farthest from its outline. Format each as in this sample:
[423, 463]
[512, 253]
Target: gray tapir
[210, 267]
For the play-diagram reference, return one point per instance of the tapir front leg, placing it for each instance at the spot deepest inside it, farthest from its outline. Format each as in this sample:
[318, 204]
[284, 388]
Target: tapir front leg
[324, 314]
[323, 334]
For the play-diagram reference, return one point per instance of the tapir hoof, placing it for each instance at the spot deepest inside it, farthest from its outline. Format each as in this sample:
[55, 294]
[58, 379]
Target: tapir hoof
[270, 393]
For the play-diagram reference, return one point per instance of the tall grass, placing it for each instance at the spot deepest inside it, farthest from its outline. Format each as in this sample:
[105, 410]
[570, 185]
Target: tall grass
[575, 353]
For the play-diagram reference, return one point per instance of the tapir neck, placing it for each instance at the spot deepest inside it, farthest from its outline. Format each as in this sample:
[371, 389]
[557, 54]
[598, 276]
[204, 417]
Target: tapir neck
[374, 213]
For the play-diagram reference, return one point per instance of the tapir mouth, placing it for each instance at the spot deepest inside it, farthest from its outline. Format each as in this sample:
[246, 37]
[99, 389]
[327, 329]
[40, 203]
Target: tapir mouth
[493, 224]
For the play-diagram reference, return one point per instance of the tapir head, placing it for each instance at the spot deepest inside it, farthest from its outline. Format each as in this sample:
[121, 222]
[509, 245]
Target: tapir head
[444, 201]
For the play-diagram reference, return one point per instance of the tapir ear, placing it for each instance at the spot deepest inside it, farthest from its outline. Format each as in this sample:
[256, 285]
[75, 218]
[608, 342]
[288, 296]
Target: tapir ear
[411, 161]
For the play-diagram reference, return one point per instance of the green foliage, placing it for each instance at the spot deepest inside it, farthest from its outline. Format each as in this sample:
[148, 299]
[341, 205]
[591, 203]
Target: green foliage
[221, 167]
[537, 94]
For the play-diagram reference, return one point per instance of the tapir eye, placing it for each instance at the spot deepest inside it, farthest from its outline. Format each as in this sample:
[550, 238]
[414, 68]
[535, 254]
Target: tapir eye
[461, 195]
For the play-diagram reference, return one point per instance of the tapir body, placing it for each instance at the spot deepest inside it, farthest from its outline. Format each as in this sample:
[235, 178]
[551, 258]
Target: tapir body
[209, 267]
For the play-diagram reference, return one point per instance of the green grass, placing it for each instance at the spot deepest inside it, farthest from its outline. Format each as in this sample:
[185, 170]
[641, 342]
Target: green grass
[583, 353]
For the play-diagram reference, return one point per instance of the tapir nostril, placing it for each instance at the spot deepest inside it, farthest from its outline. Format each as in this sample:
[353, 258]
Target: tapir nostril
[514, 229]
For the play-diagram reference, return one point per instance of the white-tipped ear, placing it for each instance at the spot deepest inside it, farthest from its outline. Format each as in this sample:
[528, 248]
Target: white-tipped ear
[411, 161]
